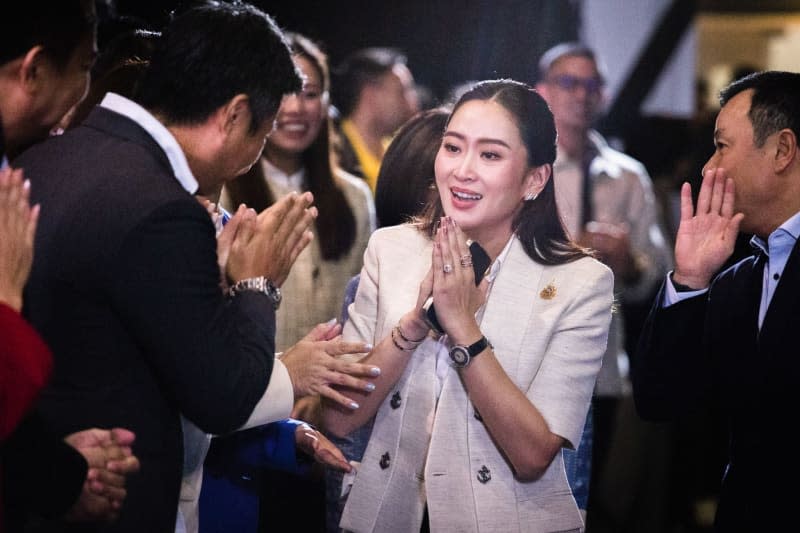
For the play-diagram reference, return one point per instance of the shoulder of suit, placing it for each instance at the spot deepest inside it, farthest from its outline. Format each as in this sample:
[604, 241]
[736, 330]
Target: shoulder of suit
[400, 238]
[352, 185]
[586, 268]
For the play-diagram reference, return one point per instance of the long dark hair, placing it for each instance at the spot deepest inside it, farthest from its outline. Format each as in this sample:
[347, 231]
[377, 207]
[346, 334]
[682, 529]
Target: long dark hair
[336, 223]
[538, 224]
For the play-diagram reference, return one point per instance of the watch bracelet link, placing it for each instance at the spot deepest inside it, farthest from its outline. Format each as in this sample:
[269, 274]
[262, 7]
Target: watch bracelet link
[257, 284]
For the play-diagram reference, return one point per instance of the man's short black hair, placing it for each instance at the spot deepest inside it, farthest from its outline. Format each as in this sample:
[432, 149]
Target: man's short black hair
[358, 69]
[775, 104]
[59, 27]
[212, 52]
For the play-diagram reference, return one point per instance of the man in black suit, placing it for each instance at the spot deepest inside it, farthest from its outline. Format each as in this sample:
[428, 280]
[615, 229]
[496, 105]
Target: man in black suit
[126, 285]
[730, 339]
[46, 50]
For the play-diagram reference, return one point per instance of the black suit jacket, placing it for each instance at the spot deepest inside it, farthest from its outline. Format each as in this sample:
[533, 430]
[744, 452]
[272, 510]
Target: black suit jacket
[709, 348]
[125, 290]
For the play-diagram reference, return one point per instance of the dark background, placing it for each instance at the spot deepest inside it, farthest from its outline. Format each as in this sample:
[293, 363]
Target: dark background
[447, 42]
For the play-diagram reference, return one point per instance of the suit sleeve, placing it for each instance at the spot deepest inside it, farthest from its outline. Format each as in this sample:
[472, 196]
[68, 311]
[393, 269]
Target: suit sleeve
[213, 353]
[25, 364]
[669, 370]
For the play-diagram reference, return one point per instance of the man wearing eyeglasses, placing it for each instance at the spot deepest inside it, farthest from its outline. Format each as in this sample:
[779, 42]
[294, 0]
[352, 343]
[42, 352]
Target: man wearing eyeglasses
[606, 201]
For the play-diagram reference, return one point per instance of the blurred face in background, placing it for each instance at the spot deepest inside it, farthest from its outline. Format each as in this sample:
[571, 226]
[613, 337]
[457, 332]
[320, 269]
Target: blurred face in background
[301, 116]
[395, 99]
[574, 90]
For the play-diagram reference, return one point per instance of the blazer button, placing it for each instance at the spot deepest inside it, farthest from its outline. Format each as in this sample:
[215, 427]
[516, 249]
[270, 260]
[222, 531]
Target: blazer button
[484, 475]
[385, 461]
[396, 400]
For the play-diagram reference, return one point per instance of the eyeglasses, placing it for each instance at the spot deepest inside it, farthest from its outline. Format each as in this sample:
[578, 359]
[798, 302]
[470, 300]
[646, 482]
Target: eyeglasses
[569, 83]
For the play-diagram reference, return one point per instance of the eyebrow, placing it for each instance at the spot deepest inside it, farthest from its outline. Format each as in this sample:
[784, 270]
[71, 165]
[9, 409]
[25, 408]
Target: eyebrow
[482, 140]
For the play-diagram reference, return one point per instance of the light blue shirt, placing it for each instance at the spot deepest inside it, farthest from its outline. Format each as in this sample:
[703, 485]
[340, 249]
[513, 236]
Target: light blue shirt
[777, 249]
[160, 134]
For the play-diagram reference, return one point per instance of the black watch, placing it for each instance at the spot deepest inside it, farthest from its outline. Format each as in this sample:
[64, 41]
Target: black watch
[461, 355]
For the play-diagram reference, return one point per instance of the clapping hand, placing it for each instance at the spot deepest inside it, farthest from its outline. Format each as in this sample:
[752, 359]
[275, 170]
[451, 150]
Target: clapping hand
[269, 244]
[110, 459]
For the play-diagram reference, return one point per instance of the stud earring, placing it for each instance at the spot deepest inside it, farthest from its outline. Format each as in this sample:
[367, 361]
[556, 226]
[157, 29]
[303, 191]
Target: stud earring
[531, 196]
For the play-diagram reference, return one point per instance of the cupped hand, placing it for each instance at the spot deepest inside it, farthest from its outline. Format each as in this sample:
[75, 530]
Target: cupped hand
[706, 236]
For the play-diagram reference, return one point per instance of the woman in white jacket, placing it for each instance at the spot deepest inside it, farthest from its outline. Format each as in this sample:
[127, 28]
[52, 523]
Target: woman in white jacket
[469, 424]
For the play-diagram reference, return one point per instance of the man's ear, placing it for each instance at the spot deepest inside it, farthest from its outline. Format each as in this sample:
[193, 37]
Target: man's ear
[785, 149]
[34, 69]
[235, 114]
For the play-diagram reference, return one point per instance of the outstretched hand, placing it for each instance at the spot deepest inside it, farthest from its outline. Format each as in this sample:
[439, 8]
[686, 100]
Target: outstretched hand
[314, 366]
[706, 236]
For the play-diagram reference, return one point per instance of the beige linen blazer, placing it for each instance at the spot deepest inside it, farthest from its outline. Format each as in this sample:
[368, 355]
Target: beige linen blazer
[548, 325]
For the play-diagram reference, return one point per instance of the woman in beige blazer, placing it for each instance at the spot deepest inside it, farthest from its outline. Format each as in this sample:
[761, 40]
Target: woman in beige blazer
[469, 425]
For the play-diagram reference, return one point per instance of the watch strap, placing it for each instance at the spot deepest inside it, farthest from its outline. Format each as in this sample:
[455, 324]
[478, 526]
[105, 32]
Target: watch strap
[477, 347]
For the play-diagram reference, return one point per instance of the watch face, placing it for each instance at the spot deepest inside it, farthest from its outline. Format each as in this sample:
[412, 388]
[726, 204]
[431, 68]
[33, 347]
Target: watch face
[459, 355]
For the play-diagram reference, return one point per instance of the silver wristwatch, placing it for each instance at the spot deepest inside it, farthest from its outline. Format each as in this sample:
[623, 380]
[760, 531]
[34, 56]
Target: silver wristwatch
[258, 284]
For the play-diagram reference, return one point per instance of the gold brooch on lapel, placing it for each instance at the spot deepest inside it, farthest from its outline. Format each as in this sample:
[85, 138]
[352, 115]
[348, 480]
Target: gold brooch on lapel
[549, 292]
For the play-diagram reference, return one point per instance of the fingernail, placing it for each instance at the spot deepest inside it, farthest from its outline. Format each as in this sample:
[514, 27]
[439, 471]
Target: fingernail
[26, 184]
[374, 371]
[331, 322]
[353, 405]
[368, 347]
[370, 387]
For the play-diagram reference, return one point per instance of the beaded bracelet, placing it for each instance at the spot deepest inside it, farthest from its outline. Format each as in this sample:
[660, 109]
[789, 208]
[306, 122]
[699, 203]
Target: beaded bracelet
[394, 340]
[400, 332]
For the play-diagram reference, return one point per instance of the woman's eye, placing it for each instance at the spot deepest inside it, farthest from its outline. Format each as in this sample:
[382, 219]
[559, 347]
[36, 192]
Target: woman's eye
[491, 155]
[450, 148]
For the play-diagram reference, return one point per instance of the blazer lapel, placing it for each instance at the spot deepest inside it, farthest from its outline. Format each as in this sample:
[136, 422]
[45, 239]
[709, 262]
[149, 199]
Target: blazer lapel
[509, 308]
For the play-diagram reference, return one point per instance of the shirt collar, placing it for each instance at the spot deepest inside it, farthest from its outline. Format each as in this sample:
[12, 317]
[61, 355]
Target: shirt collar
[160, 134]
[494, 270]
[787, 232]
[294, 181]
